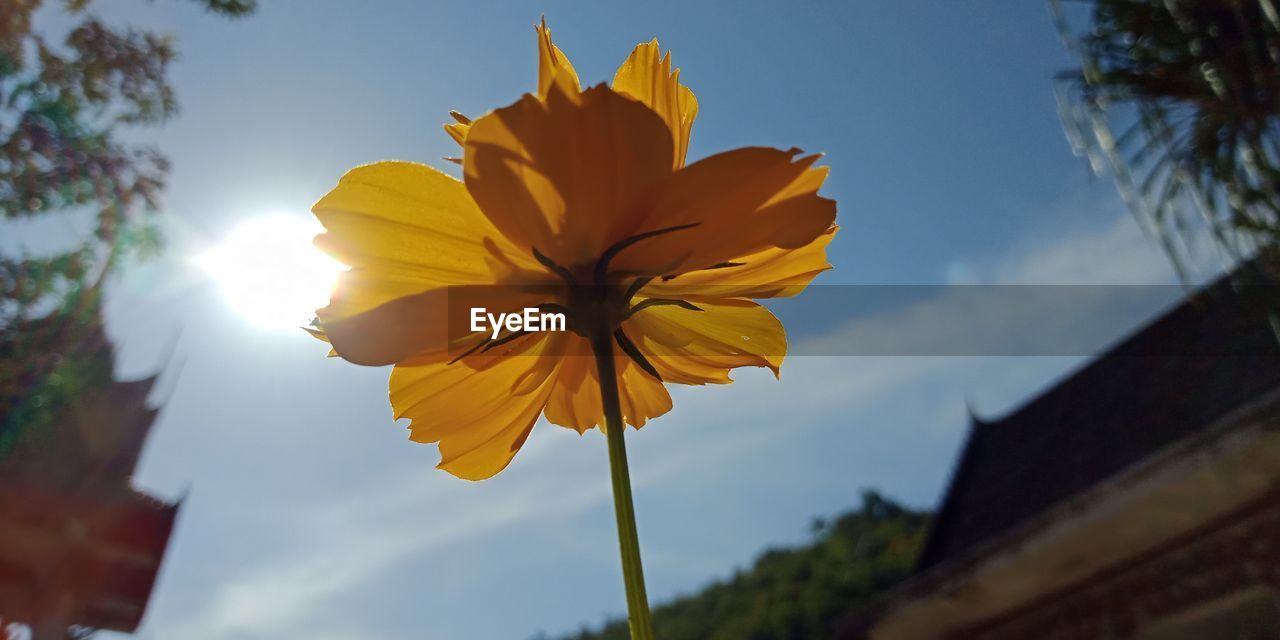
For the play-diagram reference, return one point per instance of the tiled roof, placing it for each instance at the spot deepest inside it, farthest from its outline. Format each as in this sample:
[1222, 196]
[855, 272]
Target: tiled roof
[1200, 361]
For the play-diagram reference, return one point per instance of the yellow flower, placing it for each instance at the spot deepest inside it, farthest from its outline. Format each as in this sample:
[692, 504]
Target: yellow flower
[579, 199]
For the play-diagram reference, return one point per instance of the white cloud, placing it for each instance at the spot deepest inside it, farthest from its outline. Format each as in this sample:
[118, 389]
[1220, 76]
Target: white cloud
[1072, 295]
[1118, 254]
[1115, 253]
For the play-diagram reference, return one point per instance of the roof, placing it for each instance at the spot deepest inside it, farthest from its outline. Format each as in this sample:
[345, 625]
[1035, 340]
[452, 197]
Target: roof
[109, 564]
[65, 421]
[76, 538]
[91, 442]
[1205, 358]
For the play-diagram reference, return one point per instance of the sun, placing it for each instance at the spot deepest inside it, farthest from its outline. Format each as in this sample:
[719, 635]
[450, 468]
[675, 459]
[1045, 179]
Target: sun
[270, 273]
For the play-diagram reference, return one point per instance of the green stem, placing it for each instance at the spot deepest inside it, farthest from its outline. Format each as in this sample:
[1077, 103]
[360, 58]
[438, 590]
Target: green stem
[624, 511]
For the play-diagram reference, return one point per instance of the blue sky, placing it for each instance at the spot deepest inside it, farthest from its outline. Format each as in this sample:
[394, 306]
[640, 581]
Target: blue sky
[309, 512]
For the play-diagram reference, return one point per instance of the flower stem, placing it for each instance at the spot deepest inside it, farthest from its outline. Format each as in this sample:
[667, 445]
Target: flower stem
[624, 511]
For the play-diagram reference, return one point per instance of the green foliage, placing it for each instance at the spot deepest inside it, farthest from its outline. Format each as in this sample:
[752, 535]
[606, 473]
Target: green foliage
[62, 108]
[49, 366]
[1182, 99]
[801, 592]
[65, 105]
[232, 8]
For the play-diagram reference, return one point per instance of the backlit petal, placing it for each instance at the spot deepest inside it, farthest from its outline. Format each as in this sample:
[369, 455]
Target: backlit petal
[480, 417]
[742, 201]
[404, 228]
[699, 347]
[575, 400]
[770, 273]
[571, 175]
[647, 76]
[457, 131]
[643, 396]
[553, 65]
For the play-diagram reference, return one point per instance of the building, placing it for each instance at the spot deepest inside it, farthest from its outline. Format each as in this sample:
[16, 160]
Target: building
[79, 546]
[1137, 498]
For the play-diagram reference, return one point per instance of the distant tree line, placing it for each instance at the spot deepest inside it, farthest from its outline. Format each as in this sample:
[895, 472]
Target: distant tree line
[801, 592]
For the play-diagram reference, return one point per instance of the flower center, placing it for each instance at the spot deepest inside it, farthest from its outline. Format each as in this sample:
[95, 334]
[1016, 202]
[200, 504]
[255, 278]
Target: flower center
[599, 308]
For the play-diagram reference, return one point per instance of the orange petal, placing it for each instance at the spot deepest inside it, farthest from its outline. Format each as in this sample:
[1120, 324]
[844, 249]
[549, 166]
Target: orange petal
[480, 417]
[553, 65]
[575, 400]
[643, 396]
[771, 273]
[411, 234]
[457, 131]
[648, 77]
[699, 347]
[569, 176]
[553, 68]
[405, 228]
[742, 201]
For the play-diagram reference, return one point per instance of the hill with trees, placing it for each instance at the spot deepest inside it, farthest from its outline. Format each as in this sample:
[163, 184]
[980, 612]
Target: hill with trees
[799, 592]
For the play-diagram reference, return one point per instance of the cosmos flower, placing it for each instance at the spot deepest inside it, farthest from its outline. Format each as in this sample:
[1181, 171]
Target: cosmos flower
[580, 201]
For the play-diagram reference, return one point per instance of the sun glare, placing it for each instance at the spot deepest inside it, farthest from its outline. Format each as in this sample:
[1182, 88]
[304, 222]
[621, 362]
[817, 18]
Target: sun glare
[270, 273]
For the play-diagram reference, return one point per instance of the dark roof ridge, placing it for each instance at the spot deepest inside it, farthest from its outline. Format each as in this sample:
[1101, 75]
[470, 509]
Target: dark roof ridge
[999, 478]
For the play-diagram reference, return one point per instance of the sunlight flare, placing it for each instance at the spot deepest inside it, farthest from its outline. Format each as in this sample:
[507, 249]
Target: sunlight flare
[269, 272]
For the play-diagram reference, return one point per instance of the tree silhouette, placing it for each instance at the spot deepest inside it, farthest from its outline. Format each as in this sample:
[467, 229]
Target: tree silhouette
[802, 592]
[63, 109]
[68, 103]
[1182, 99]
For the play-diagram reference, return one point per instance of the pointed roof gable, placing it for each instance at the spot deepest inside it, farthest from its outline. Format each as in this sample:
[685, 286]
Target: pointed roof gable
[1195, 364]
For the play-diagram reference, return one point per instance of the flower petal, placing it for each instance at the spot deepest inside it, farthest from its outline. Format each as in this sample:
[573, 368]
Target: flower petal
[771, 273]
[413, 237]
[553, 65]
[404, 228]
[648, 77]
[480, 417]
[570, 175]
[643, 396]
[458, 129]
[699, 347]
[575, 400]
[742, 201]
